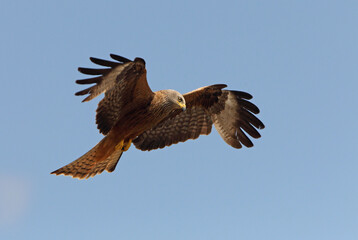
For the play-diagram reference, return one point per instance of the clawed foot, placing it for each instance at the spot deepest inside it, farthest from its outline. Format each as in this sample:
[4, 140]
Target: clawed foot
[124, 146]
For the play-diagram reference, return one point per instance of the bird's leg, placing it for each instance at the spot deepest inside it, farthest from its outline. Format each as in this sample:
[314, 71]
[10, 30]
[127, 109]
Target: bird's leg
[119, 146]
[126, 145]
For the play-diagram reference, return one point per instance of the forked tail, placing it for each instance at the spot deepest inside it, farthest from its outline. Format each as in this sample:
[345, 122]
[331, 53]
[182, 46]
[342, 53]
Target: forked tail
[101, 157]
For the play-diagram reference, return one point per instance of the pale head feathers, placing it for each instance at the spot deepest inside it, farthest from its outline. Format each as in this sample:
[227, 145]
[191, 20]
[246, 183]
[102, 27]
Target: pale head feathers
[174, 99]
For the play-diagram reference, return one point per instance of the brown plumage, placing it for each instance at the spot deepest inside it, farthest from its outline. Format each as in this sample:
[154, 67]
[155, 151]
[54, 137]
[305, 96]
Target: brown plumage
[130, 111]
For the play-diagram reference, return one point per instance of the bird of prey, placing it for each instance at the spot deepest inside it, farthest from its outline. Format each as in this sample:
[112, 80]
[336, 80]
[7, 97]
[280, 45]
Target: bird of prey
[131, 113]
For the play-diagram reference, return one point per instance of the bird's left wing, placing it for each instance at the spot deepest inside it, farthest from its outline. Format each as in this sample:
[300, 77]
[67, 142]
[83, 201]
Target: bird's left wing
[228, 110]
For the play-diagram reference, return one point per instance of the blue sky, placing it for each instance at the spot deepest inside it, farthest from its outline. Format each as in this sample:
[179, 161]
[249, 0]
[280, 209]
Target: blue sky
[297, 58]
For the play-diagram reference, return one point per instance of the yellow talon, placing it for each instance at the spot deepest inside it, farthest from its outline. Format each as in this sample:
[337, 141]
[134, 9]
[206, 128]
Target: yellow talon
[127, 145]
[119, 146]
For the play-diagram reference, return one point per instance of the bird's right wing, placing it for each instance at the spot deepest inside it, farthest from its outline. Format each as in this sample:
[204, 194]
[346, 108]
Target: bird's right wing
[122, 82]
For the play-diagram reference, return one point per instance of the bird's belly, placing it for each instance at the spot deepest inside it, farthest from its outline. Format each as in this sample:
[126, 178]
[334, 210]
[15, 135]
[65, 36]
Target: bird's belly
[133, 125]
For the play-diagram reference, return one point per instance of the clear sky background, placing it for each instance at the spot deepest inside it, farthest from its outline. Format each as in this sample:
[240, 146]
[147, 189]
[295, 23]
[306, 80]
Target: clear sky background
[299, 59]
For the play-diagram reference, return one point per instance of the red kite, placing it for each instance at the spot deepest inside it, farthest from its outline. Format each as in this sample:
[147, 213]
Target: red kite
[131, 113]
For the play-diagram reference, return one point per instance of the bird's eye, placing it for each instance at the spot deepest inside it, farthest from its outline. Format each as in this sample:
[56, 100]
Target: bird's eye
[180, 99]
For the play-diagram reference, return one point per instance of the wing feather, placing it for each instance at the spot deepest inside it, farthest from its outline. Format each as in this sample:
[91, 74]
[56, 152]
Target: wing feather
[103, 62]
[247, 127]
[89, 80]
[252, 119]
[243, 95]
[243, 138]
[83, 92]
[248, 105]
[119, 58]
[94, 71]
[186, 125]
[236, 117]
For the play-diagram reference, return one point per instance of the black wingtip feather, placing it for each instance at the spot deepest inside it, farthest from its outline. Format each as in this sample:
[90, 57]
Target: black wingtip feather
[247, 127]
[219, 86]
[252, 119]
[83, 92]
[249, 106]
[244, 139]
[140, 60]
[89, 80]
[119, 58]
[94, 71]
[104, 63]
[243, 95]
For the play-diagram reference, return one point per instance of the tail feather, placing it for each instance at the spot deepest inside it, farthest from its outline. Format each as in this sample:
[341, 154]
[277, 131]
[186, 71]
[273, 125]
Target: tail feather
[112, 162]
[109, 164]
[89, 165]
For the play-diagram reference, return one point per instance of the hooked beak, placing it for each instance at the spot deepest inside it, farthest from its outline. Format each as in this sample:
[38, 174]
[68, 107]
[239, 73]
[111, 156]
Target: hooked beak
[182, 105]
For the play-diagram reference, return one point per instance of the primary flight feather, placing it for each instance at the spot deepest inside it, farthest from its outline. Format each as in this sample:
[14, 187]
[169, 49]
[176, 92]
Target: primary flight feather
[131, 112]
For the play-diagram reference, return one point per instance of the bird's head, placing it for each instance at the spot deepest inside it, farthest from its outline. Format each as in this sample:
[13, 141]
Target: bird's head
[176, 100]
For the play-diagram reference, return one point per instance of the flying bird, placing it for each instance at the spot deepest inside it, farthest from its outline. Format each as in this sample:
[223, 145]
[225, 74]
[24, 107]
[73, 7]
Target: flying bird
[131, 112]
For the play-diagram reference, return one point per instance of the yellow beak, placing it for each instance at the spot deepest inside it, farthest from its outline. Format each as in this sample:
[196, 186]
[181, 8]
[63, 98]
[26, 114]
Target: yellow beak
[182, 105]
